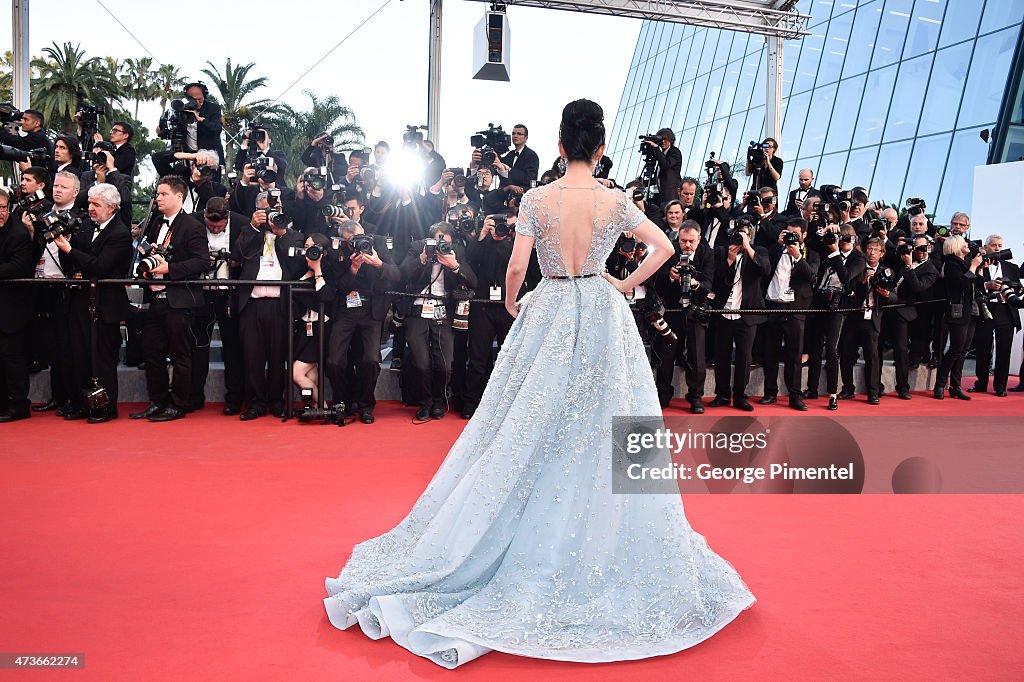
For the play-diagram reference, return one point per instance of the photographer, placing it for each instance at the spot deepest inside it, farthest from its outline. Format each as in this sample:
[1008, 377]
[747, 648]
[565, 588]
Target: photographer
[764, 165]
[670, 162]
[312, 197]
[28, 205]
[433, 163]
[653, 212]
[488, 255]
[959, 274]
[361, 270]
[355, 209]
[518, 168]
[101, 249]
[121, 134]
[105, 171]
[915, 274]
[167, 330]
[16, 251]
[265, 176]
[67, 155]
[763, 205]
[208, 115]
[805, 185]
[452, 190]
[790, 288]
[871, 290]
[688, 195]
[308, 327]
[32, 124]
[51, 303]
[715, 215]
[684, 281]
[1001, 279]
[434, 268]
[223, 228]
[262, 250]
[740, 269]
[320, 152]
[841, 263]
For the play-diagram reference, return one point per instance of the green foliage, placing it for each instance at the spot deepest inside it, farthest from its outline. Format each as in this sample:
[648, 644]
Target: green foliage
[292, 129]
[66, 79]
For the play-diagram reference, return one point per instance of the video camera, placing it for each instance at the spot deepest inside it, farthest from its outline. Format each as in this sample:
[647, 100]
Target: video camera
[756, 156]
[915, 206]
[491, 143]
[38, 157]
[646, 148]
[9, 113]
[57, 225]
[412, 138]
[88, 116]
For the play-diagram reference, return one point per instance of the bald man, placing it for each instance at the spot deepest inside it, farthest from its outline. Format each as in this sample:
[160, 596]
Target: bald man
[805, 184]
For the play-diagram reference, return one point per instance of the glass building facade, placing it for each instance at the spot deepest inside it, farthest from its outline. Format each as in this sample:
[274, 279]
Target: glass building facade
[887, 94]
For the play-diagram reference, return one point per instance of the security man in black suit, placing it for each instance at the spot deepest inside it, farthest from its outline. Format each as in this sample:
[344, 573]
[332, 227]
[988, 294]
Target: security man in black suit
[518, 168]
[789, 288]
[915, 275]
[1004, 323]
[222, 230]
[488, 253]
[167, 330]
[426, 270]
[862, 328]
[101, 249]
[16, 262]
[265, 251]
[689, 326]
[361, 279]
[805, 185]
[740, 269]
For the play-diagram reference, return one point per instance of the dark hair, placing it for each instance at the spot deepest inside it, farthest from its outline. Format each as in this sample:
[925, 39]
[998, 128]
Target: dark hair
[526, 131]
[320, 239]
[689, 181]
[674, 202]
[74, 148]
[581, 131]
[40, 175]
[176, 184]
[38, 115]
[129, 129]
[690, 224]
[667, 134]
[773, 141]
[217, 206]
[798, 222]
[356, 197]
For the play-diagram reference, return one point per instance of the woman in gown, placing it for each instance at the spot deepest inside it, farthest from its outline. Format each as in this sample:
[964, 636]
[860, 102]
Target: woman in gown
[518, 543]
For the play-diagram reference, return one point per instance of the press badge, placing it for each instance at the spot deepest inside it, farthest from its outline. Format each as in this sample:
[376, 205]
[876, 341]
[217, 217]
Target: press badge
[309, 329]
[353, 300]
[427, 311]
[462, 308]
[390, 243]
[867, 314]
[267, 261]
[495, 293]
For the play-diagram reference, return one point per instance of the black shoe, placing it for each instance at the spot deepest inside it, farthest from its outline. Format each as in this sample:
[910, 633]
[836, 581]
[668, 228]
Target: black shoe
[423, 414]
[833, 403]
[63, 410]
[768, 400]
[45, 407]
[252, 413]
[797, 403]
[1000, 394]
[194, 407]
[873, 400]
[152, 409]
[15, 414]
[168, 414]
[277, 411]
[978, 389]
[231, 410]
[742, 404]
[1019, 388]
[939, 393]
[366, 416]
[102, 416]
[847, 394]
[903, 395]
[810, 394]
[437, 412]
[719, 401]
[396, 363]
[933, 362]
[697, 406]
[467, 412]
[75, 414]
[955, 392]
[915, 365]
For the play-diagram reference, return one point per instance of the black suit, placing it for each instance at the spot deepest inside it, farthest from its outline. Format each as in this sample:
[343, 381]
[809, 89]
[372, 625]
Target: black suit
[1001, 328]
[121, 181]
[791, 208]
[488, 322]
[208, 131]
[105, 257]
[365, 318]
[522, 171]
[263, 321]
[739, 332]
[961, 317]
[167, 329]
[690, 330]
[16, 262]
[31, 141]
[431, 343]
[124, 159]
[787, 327]
[912, 285]
[861, 331]
[670, 164]
[825, 329]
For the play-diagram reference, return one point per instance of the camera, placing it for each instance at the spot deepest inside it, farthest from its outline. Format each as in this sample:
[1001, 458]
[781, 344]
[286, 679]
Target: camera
[88, 116]
[412, 138]
[751, 200]
[736, 236]
[334, 212]
[217, 257]
[57, 225]
[655, 316]
[501, 228]
[644, 139]
[685, 270]
[834, 195]
[790, 238]
[149, 256]
[9, 113]
[256, 134]
[462, 219]
[884, 278]
[276, 218]
[459, 177]
[30, 203]
[1010, 293]
[491, 143]
[878, 226]
[942, 231]
[638, 194]
[915, 206]
[436, 247]
[627, 244]
[832, 297]
[315, 179]
[906, 247]
[998, 256]
[264, 168]
[314, 252]
[360, 243]
[755, 154]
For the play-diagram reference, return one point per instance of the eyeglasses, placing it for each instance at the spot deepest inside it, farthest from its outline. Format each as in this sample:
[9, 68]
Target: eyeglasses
[117, 130]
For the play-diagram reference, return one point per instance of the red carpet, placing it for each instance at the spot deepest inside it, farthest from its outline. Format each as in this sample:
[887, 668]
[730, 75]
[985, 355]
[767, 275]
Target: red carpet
[197, 550]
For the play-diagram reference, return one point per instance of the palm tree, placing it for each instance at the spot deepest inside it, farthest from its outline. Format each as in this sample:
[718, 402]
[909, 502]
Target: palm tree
[66, 79]
[235, 87]
[294, 129]
[169, 83]
[7, 76]
[141, 81]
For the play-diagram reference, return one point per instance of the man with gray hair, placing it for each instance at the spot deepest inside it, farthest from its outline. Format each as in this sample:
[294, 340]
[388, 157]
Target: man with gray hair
[1003, 323]
[101, 249]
